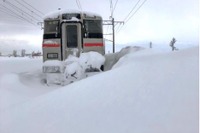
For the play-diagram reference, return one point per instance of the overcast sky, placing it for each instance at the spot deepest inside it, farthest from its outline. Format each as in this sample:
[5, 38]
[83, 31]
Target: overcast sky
[156, 20]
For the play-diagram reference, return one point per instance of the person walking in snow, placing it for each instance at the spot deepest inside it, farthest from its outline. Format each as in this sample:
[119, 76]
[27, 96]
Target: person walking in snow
[173, 41]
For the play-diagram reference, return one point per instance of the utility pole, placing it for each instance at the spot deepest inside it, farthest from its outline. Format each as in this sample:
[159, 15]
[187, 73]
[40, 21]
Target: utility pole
[113, 31]
[113, 23]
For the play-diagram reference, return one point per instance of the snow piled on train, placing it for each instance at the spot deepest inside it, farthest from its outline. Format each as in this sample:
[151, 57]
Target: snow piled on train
[77, 68]
[55, 14]
[74, 68]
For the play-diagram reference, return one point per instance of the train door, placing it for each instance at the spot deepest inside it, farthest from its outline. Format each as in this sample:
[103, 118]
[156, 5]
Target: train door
[71, 39]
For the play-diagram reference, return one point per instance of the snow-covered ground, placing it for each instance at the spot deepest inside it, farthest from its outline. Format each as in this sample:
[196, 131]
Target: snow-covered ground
[145, 92]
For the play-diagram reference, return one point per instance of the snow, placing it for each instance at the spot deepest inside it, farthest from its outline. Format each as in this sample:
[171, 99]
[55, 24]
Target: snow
[144, 92]
[55, 14]
[113, 58]
[74, 19]
[53, 63]
[21, 79]
[50, 42]
[92, 60]
[74, 67]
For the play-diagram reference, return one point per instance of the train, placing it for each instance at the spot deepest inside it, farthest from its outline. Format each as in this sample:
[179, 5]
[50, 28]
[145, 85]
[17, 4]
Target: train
[68, 32]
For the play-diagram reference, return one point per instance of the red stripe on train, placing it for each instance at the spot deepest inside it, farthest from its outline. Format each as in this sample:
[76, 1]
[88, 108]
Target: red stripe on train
[50, 45]
[93, 44]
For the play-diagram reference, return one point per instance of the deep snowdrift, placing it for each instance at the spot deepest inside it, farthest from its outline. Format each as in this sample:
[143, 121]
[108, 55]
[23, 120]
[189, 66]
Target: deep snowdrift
[74, 68]
[145, 92]
[21, 79]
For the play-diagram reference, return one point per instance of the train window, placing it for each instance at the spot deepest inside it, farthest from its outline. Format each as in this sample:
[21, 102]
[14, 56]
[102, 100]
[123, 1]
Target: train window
[69, 16]
[93, 29]
[72, 36]
[51, 26]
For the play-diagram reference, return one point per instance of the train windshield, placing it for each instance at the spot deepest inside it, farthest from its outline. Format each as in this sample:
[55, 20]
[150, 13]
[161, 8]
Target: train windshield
[51, 26]
[93, 28]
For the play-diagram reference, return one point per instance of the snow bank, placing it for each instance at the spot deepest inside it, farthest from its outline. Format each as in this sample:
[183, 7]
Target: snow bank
[92, 60]
[18, 64]
[75, 68]
[20, 81]
[150, 94]
[111, 59]
[6, 88]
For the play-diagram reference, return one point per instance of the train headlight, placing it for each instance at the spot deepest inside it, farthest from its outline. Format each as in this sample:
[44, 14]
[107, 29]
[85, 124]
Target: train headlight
[51, 69]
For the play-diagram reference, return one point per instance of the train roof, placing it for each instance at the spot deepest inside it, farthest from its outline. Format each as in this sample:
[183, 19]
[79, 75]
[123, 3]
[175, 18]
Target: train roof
[56, 14]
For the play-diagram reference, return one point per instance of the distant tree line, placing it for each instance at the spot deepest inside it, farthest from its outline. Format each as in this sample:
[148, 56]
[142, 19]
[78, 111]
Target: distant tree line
[23, 54]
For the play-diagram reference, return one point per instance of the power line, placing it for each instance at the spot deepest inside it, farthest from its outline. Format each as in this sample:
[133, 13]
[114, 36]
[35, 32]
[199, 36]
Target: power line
[108, 28]
[136, 10]
[112, 22]
[115, 6]
[79, 4]
[119, 27]
[128, 18]
[28, 9]
[17, 15]
[111, 8]
[20, 10]
[132, 10]
[33, 7]
[10, 14]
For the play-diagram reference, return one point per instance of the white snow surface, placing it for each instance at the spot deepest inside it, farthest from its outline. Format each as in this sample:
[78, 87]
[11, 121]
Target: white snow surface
[55, 14]
[144, 92]
[53, 63]
[92, 59]
[74, 67]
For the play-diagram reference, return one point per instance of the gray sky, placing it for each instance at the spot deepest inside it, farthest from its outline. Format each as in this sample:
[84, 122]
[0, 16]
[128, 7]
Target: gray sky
[156, 20]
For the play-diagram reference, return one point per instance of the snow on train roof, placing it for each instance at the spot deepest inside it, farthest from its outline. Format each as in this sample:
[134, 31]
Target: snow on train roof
[55, 14]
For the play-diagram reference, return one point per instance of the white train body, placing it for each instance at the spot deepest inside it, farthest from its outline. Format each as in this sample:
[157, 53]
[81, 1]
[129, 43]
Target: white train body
[71, 33]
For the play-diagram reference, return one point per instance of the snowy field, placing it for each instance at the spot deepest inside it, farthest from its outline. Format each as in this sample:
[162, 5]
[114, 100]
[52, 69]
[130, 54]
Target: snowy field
[144, 92]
